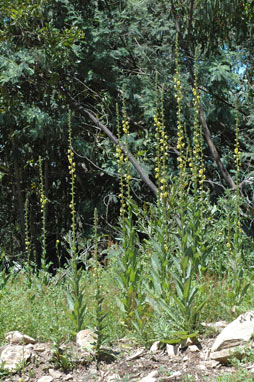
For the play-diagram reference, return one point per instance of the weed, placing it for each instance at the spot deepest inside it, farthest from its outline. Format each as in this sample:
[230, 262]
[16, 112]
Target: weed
[61, 357]
[75, 294]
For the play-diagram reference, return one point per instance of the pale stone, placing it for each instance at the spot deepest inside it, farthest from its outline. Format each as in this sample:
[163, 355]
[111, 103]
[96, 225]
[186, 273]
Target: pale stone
[68, 377]
[151, 377]
[193, 348]
[233, 339]
[225, 354]
[40, 348]
[18, 338]
[13, 356]
[85, 339]
[46, 378]
[175, 375]
[136, 355]
[212, 364]
[238, 332]
[172, 350]
[113, 378]
[155, 347]
[202, 367]
[218, 326]
[189, 342]
[55, 373]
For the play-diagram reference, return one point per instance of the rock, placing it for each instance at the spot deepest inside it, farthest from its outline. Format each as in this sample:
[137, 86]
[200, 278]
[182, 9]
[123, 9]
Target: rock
[151, 377]
[18, 338]
[202, 367]
[172, 350]
[114, 378]
[68, 377]
[235, 335]
[155, 347]
[85, 339]
[175, 375]
[189, 342]
[136, 355]
[45, 379]
[217, 326]
[55, 374]
[224, 355]
[40, 348]
[14, 355]
[193, 348]
[211, 364]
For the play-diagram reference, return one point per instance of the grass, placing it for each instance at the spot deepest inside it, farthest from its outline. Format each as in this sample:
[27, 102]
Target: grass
[40, 311]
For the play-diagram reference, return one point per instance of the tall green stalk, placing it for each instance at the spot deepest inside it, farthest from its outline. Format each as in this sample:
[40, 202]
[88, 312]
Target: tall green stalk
[99, 314]
[43, 201]
[177, 297]
[234, 246]
[129, 264]
[28, 243]
[75, 294]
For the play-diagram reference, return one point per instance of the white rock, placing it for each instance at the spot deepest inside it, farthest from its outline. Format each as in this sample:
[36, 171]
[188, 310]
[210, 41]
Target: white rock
[13, 355]
[40, 348]
[151, 377]
[193, 348]
[85, 339]
[174, 375]
[18, 338]
[55, 374]
[237, 333]
[155, 347]
[172, 350]
[136, 355]
[202, 367]
[114, 378]
[189, 342]
[218, 326]
[224, 354]
[211, 364]
[68, 377]
[45, 378]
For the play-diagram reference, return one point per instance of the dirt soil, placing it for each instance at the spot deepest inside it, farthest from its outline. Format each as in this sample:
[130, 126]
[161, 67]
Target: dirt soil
[128, 364]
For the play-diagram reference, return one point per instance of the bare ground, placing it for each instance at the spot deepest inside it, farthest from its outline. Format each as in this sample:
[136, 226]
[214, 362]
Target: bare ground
[128, 364]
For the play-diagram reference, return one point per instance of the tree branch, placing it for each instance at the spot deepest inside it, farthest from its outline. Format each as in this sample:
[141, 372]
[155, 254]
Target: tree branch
[113, 138]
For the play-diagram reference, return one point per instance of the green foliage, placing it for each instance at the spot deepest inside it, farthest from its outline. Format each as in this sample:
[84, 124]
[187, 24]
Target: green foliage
[61, 358]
